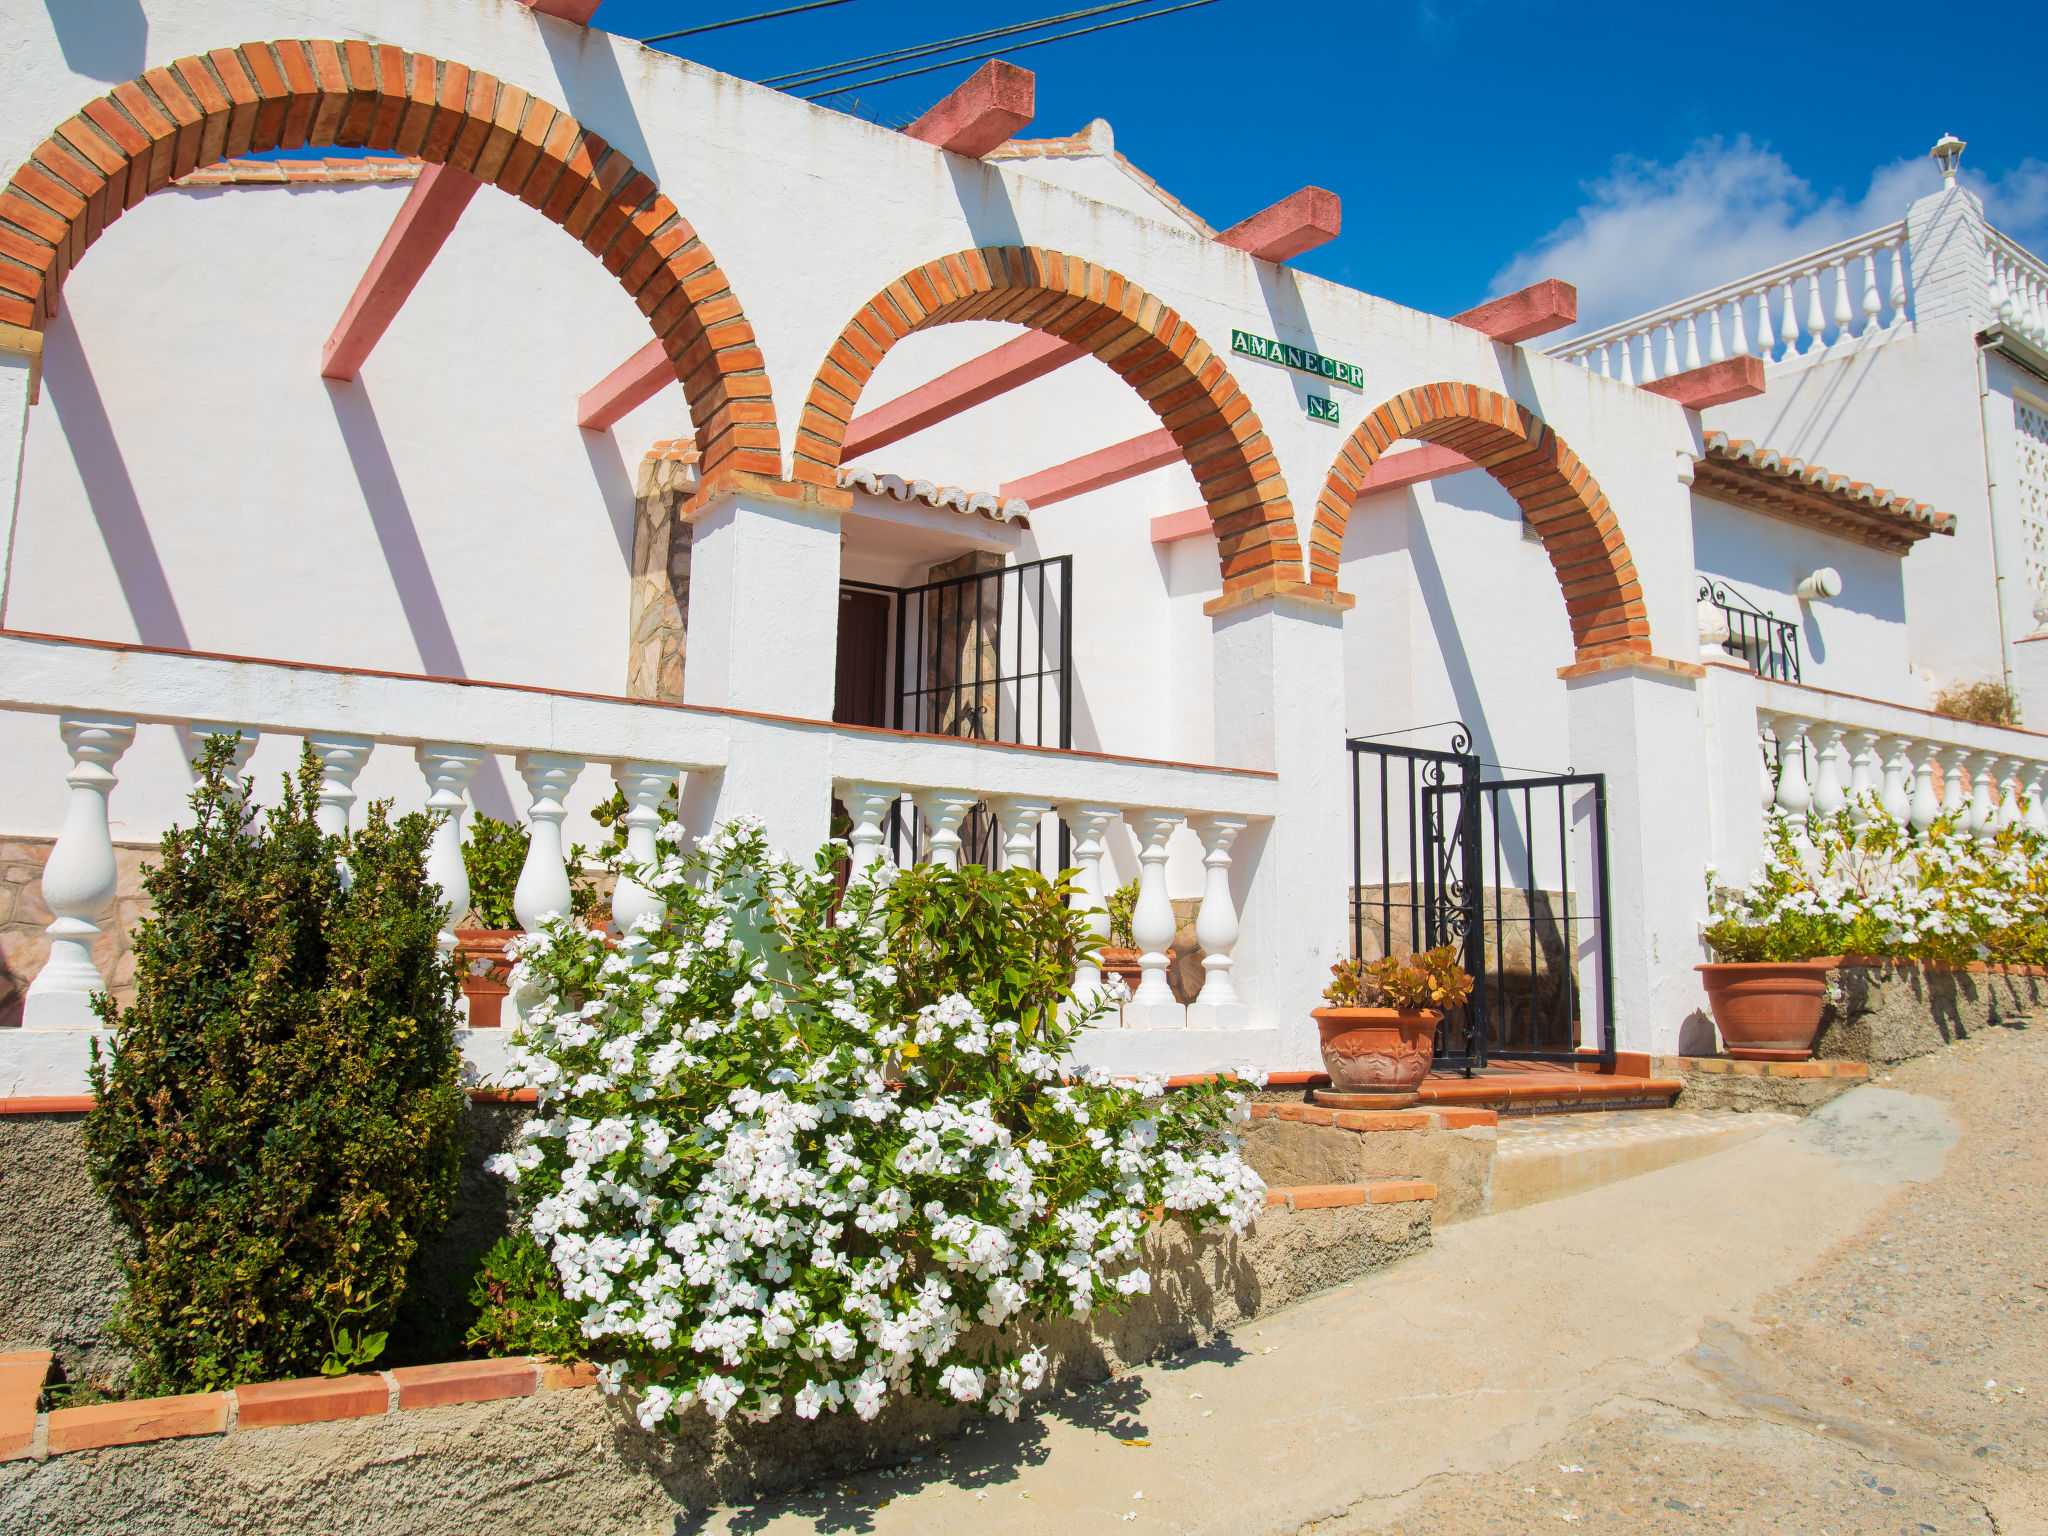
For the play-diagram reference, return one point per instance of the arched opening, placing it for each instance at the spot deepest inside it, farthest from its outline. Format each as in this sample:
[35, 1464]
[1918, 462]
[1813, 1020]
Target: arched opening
[1560, 500]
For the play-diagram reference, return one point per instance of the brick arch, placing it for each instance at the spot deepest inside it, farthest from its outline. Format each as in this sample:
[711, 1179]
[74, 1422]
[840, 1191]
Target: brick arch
[1602, 597]
[1149, 345]
[235, 101]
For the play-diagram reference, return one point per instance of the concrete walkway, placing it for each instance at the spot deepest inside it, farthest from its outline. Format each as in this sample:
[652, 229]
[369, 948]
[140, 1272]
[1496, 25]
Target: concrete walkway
[1515, 1332]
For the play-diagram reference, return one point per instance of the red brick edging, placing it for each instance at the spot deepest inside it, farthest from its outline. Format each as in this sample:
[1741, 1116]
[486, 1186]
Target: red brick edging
[80, 1103]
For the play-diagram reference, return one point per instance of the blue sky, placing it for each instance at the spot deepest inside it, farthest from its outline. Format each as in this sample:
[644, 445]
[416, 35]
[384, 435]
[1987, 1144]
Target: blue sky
[1643, 151]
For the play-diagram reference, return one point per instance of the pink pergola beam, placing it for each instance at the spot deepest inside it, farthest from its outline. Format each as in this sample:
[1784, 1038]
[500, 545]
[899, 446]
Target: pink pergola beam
[429, 215]
[1092, 471]
[1299, 222]
[986, 108]
[634, 382]
[568, 10]
[1395, 472]
[1537, 310]
[1016, 362]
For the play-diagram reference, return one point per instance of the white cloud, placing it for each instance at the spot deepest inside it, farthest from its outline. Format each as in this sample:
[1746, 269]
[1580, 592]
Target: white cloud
[1650, 233]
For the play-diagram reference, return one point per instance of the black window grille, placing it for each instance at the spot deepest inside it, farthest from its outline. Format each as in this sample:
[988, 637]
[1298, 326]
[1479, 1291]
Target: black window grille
[1768, 643]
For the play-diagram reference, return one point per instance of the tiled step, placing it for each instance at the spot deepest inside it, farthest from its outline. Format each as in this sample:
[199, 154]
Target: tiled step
[1537, 1092]
[1546, 1157]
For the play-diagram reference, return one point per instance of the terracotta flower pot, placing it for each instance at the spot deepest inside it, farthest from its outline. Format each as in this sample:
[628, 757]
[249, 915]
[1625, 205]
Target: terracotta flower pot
[1767, 1010]
[485, 969]
[1378, 1053]
[1124, 963]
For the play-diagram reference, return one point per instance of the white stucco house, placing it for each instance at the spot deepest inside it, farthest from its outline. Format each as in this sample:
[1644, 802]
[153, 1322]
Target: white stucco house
[962, 485]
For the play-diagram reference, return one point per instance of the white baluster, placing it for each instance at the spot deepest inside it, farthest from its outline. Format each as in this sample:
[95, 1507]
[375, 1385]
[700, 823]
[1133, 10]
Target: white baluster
[1692, 342]
[2001, 291]
[447, 768]
[1765, 341]
[868, 805]
[1216, 929]
[80, 878]
[1716, 352]
[1795, 799]
[643, 786]
[1671, 368]
[1020, 816]
[543, 889]
[1926, 802]
[201, 732]
[1898, 776]
[2010, 812]
[1767, 750]
[2036, 815]
[1955, 789]
[1649, 340]
[1983, 809]
[1089, 822]
[1873, 305]
[1829, 794]
[1605, 360]
[1845, 315]
[1898, 293]
[341, 759]
[1738, 338]
[944, 810]
[1788, 331]
[1816, 320]
[1153, 1005]
[1865, 779]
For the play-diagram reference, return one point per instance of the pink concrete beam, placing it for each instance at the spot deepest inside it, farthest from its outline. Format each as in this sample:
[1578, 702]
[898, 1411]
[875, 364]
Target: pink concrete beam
[1092, 471]
[1014, 363]
[982, 111]
[1172, 527]
[1739, 378]
[431, 209]
[1299, 222]
[1394, 472]
[568, 10]
[1537, 310]
[634, 382]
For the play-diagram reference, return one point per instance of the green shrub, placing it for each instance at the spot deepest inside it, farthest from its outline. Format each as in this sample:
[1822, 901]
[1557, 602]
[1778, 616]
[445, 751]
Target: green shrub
[521, 1310]
[492, 857]
[279, 1122]
[1123, 906]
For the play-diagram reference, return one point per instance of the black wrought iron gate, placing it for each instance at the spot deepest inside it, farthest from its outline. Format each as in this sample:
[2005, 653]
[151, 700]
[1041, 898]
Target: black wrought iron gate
[1512, 872]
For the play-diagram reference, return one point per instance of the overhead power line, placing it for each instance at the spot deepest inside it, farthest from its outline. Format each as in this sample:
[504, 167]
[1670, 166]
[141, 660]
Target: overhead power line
[976, 58]
[741, 21]
[925, 50]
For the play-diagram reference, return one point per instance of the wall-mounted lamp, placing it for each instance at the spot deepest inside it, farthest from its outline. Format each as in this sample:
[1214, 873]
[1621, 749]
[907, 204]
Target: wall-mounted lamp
[1948, 154]
[1825, 582]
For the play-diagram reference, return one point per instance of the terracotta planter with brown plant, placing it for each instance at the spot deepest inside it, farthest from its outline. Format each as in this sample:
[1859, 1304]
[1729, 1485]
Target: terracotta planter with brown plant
[1379, 1030]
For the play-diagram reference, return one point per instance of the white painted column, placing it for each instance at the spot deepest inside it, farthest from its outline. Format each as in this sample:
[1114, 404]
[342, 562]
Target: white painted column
[543, 888]
[447, 767]
[1217, 1005]
[1153, 1005]
[944, 810]
[763, 636]
[341, 759]
[868, 806]
[1089, 823]
[21, 370]
[644, 786]
[81, 877]
[1019, 816]
[1738, 778]
[1640, 724]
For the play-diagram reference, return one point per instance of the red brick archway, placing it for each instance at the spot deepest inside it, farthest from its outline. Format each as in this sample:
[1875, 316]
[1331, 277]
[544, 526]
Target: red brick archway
[1150, 346]
[1602, 596]
[237, 101]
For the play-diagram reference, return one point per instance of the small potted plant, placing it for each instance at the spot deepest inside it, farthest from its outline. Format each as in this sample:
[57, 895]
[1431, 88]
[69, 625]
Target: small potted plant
[1119, 957]
[1775, 940]
[492, 858]
[1379, 1030]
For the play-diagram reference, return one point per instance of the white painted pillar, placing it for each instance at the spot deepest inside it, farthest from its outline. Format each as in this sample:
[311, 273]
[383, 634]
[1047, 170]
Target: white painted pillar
[1738, 775]
[868, 805]
[944, 810]
[1089, 823]
[21, 375]
[447, 767]
[1640, 724]
[763, 636]
[1019, 816]
[1153, 1005]
[543, 888]
[1217, 1005]
[341, 759]
[644, 786]
[80, 878]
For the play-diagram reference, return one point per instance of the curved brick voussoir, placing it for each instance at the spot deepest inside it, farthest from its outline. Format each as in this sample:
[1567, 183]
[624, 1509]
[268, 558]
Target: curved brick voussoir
[196, 111]
[1603, 598]
[1146, 342]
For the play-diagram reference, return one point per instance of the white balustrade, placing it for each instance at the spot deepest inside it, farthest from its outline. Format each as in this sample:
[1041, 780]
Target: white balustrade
[2010, 812]
[643, 786]
[1088, 824]
[203, 732]
[1983, 804]
[341, 758]
[1795, 799]
[1019, 817]
[2036, 816]
[448, 768]
[1955, 789]
[1829, 793]
[1217, 1005]
[1865, 784]
[543, 888]
[1898, 775]
[1153, 1005]
[1926, 798]
[2019, 287]
[1808, 320]
[944, 810]
[868, 807]
[80, 876]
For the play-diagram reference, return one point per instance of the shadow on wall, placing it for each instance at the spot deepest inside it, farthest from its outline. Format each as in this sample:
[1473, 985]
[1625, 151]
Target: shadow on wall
[103, 39]
[108, 489]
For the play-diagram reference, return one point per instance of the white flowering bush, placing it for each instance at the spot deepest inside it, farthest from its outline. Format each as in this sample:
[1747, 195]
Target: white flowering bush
[1860, 883]
[804, 1150]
